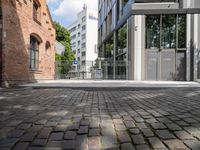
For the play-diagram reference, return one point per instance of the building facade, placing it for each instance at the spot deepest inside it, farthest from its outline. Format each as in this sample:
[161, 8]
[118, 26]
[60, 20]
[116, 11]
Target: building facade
[27, 42]
[149, 39]
[84, 41]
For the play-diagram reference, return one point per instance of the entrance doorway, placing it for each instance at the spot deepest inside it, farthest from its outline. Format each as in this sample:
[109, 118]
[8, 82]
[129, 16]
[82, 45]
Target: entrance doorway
[166, 47]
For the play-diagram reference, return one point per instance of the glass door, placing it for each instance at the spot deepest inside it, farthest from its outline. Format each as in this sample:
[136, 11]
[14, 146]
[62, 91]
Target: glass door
[165, 47]
[168, 46]
[152, 46]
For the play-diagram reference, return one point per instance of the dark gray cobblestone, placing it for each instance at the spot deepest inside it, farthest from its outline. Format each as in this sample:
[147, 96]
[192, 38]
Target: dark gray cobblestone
[98, 119]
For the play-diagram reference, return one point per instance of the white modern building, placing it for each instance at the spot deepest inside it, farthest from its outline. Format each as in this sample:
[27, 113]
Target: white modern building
[84, 42]
[60, 48]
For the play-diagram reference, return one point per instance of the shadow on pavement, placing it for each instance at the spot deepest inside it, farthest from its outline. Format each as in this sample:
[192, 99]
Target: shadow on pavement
[93, 118]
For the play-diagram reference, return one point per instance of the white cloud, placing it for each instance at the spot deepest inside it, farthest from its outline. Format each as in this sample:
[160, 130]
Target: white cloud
[69, 8]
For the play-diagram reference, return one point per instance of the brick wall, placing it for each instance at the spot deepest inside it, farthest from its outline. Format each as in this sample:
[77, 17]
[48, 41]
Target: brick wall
[18, 25]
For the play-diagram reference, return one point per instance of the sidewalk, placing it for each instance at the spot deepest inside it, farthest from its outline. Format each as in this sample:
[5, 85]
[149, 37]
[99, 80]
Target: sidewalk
[107, 84]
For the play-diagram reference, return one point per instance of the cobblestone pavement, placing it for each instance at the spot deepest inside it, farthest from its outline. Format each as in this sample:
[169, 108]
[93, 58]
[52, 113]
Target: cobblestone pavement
[94, 119]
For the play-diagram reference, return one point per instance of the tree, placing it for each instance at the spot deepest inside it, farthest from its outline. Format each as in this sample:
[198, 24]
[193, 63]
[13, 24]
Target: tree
[64, 61]
[63, 36]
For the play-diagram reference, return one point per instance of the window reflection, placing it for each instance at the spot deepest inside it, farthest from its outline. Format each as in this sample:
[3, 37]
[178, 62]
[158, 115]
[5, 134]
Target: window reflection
[161, 31]
[168, 31]
[152, 32]
[122, 40]
[121, 53]
[109, 46]
[181, 31]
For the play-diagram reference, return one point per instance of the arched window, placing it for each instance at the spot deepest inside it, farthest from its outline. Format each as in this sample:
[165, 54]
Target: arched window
[47, 47]
[34, 53]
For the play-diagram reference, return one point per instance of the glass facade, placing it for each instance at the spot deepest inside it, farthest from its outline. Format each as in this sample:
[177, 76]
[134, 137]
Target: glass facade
[166, 47]
[114, 63]
[121, 53]
[166, 32]
[163, 33]
[152, 31]
[107, 65]
[181, 31]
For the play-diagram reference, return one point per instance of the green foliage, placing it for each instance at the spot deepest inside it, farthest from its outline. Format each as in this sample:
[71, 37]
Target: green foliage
[64, 62]
[58, 57]
[63, 36]
[123, 36]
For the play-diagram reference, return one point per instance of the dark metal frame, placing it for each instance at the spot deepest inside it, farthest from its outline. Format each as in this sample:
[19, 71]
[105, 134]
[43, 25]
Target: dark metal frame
[1, 44]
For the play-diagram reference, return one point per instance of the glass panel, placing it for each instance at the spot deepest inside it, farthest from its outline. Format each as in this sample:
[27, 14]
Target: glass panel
[34, 47]
[121, 67]
[37, 64]
[168, 31]
[100, 52]
[36, 59]
[153, 31]
[198, 69]
[32, 54]
[122, 40]
[32, 63]
[181, 31]
[121, 52]
[109, 48]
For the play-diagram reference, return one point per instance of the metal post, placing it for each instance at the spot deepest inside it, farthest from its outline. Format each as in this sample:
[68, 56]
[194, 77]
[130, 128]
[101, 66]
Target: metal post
[128, 48]
[114, 55]
[78, 75]
[106, 66]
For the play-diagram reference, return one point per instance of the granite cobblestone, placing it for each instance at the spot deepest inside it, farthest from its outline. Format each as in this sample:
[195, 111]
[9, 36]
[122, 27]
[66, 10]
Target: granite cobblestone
[96, 119]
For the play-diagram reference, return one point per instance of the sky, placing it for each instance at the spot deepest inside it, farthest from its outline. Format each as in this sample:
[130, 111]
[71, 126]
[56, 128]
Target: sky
[65, 11]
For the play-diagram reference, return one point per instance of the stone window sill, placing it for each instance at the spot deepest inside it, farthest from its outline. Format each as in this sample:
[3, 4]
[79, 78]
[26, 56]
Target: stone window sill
[35, 71]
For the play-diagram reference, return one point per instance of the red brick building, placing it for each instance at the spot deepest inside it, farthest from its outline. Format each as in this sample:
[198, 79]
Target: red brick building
[27, 39]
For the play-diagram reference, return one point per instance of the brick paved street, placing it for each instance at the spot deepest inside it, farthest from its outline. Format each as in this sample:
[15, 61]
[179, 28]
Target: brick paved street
[104, 118]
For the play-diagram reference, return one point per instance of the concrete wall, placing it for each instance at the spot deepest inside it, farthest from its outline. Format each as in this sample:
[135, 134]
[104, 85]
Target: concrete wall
[193, 45]
[18, 25]
[196, 44]
[139, 37]
[191, 3]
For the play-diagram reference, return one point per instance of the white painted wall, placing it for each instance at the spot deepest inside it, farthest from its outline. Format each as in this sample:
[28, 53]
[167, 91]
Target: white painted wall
[91, 35]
